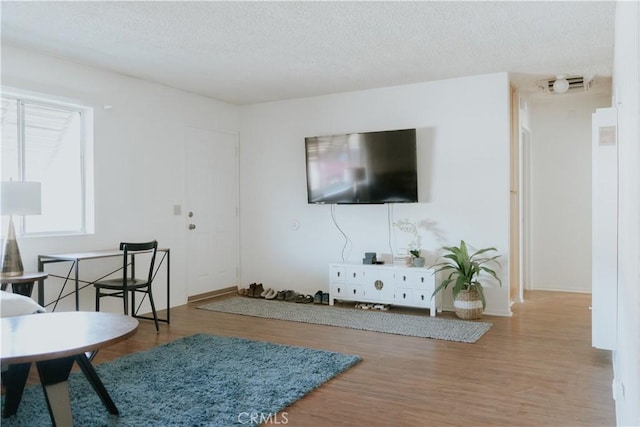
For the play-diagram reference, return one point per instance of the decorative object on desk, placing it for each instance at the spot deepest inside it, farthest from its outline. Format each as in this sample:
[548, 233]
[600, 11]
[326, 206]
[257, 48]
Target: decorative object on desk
[17, 198]
[464, 271]
[366, 320]
[416, 259]
[414, 245]
[369, 258]
[402, 260]
[184, 382]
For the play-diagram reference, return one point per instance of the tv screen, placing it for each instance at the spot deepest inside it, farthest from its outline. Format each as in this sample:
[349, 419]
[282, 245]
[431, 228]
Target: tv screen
[366, 168]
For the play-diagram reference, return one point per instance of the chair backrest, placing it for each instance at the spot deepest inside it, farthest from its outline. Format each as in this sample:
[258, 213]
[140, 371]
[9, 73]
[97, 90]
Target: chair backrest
[134, 248]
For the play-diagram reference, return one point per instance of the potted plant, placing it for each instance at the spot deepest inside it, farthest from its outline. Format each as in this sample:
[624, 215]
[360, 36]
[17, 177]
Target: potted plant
[416, 259]
[464, 271]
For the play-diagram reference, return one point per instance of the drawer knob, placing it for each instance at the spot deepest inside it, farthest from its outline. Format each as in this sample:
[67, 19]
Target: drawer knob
[422, 279]
[354, 291]
[338, 290]
[354, 274]
[404, 278]
[404, 296]
[422, 297]
[338, 274]
[378, 284]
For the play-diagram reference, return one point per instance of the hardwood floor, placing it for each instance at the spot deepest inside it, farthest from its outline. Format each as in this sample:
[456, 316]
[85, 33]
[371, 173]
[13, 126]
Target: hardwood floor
[535, 369]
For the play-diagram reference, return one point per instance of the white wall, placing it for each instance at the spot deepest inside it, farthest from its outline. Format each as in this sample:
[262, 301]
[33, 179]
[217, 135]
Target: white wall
[560, 184]
[139, 163]
[626, 358]
[464, 179]
[139, 158]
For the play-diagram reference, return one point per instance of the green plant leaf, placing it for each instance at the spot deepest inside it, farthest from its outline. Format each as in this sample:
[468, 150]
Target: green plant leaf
[445, 268]
[492, 273]
[481, 293]
[463, 250]
[481, 251]
[461, 284]
[442, 286]
[490, 259]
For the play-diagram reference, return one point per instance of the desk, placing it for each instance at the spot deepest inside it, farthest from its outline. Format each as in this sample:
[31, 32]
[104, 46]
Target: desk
[75, 259]
[22, 284]
[54, 351]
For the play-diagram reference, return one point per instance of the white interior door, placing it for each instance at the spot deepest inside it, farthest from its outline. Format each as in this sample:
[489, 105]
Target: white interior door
[212, 210]
[604, 287]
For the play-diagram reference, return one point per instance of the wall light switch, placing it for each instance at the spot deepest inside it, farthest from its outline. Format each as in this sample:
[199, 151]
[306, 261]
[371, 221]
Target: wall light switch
[177, 209]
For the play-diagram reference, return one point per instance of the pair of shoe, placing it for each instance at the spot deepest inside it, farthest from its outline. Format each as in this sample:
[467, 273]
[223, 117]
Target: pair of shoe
[258, 289]
[290, 296]
[254, 290]
[369, 306]
[321, 298]
[270, 294]
[304, 299]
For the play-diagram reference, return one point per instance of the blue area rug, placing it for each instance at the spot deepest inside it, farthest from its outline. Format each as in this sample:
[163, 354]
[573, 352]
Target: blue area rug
[201, 380]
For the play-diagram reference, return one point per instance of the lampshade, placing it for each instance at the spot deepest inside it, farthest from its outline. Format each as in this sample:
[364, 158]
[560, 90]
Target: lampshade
[20, 198]
[561, 85]
[16, 198]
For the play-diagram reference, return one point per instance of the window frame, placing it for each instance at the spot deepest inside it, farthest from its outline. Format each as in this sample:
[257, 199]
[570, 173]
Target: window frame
[85, 160]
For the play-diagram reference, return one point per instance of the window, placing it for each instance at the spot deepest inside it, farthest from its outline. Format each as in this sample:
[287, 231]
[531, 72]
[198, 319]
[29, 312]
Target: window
[50, 142]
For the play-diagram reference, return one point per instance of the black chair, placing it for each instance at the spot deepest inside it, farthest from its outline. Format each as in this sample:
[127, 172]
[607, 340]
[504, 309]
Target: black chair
[121, 287]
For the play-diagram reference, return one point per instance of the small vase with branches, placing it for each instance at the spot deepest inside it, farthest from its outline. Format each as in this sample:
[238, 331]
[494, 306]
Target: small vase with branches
[414, 246]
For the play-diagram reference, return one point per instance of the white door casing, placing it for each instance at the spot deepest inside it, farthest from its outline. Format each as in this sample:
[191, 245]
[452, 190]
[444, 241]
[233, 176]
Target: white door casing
[211, 210]
[525, 210]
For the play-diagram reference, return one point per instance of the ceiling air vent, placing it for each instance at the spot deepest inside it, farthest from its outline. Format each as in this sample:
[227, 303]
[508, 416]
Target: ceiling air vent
[575, 83]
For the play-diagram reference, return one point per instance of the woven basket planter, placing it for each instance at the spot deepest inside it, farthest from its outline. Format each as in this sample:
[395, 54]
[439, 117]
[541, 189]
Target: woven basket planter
[468, 305]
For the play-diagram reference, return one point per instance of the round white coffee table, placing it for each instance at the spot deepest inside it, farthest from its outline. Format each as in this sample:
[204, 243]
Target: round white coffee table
[54, 341]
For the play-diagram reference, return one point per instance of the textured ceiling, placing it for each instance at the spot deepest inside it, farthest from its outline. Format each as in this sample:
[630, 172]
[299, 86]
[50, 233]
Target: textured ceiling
[247, 52]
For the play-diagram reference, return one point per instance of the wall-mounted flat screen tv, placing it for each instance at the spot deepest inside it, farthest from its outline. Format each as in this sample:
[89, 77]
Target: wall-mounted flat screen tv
[362, 168]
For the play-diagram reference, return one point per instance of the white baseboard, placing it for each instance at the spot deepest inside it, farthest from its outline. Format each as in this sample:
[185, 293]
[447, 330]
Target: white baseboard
[555, 289]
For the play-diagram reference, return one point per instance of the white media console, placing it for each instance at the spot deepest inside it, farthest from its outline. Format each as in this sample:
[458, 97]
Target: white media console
[384, 284]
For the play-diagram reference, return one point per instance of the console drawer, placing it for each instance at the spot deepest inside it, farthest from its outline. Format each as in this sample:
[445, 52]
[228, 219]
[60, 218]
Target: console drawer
[403, 296]
[422, 279]
[355, 275]
[339, 291]
[421, 298]
[337, 273]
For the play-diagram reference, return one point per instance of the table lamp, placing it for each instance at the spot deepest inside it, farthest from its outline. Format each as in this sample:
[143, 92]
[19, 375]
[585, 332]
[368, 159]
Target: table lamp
[17, 198]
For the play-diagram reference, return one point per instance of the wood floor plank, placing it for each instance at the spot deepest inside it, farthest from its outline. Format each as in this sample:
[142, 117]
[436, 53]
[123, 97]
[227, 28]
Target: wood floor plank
[535, 369]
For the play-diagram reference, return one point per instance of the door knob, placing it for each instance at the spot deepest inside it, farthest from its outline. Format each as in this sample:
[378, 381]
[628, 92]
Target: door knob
[192, 226]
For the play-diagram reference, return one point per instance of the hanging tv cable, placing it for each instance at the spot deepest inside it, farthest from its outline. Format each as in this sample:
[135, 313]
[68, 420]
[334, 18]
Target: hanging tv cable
[346, 238]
